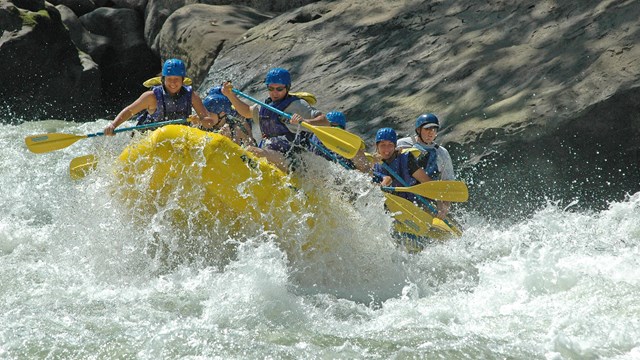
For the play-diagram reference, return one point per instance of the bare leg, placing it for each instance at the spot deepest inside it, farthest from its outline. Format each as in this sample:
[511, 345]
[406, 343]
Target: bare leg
[274, 157]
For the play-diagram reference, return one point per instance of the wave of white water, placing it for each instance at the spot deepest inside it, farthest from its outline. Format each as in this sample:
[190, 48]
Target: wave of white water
[79, 280]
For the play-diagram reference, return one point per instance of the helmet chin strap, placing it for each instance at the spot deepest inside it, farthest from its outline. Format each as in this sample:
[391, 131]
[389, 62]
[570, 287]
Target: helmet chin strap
[419, 136]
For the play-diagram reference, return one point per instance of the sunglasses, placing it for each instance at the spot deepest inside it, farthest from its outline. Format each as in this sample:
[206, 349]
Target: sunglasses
[279, 88]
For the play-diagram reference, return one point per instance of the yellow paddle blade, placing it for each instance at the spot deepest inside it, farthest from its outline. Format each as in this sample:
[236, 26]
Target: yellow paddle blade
[337, 140]
[158, 81]
[308, 97]
[81, 166]
[445, 190]
[370, 157]
[43, 143]
[437, 223]
[414, 217]
[403, 214]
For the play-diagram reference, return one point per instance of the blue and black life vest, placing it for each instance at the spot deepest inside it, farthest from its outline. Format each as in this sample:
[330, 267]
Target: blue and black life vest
[399, 165]
[431, 154]
[168, 107]
[271, 124]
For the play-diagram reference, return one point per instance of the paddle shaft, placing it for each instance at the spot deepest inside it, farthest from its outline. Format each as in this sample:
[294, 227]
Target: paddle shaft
[275, 110]
[336, 139]
[444, 190]
[43, 143]
[423, 200]
[142, 127]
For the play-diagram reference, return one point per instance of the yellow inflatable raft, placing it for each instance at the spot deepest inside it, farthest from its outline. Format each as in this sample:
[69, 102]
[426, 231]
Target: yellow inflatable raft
[200, 177]
[205, 173]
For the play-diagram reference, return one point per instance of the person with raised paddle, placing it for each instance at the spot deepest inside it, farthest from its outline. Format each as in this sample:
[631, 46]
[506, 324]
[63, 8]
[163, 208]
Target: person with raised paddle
[282, 138]
[359, 162]
[432, 157]
[229, 122]
[168, 101]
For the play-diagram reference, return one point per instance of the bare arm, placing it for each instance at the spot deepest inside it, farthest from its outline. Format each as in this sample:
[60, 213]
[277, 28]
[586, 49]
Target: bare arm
[443, 209]
[421, 176]
[241, 107]
[319, 120]
[196, 102]
[146, 101]
[361, 162]
[203, 118]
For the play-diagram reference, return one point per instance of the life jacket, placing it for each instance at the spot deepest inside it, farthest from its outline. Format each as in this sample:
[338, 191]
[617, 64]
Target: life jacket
[400, 166]
[428, 156]
[168, 107]
[270, 123]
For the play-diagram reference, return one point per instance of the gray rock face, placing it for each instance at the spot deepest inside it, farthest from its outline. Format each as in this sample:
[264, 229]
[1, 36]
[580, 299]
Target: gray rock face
[94, 45]
[530, 93]
[197, 34]
[157, 11]
[31, 5]
[79, 7]
[137, 5]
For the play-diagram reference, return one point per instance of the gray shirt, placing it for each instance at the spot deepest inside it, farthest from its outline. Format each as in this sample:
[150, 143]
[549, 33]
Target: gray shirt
[443, 160]
[301, 107]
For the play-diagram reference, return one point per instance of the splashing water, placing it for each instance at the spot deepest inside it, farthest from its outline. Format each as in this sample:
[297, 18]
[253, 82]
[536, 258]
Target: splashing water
[80, 279]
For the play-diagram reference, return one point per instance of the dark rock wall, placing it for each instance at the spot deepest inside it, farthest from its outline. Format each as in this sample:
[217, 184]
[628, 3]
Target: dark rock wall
[43, 72]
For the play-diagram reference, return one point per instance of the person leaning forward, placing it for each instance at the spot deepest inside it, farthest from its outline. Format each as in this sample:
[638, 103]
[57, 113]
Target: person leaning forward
[397, 169]
[281, 139]
[170, 101]
[229, 123]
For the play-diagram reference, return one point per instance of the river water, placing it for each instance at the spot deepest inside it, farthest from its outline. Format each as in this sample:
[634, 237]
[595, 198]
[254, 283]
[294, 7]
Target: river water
[77, 279]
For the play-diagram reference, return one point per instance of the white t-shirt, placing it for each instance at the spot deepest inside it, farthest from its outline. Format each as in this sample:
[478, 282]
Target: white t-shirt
[443, 160]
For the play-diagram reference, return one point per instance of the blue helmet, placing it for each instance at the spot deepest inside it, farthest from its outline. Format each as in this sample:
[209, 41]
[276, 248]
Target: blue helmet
[174, 67]
[278, 76]
[427, 120]
[216, 102]
[338, 118]
[216, 90]
[387, 134]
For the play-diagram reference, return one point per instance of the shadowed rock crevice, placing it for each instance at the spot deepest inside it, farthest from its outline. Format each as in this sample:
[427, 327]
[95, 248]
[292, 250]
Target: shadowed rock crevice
[586, 159]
